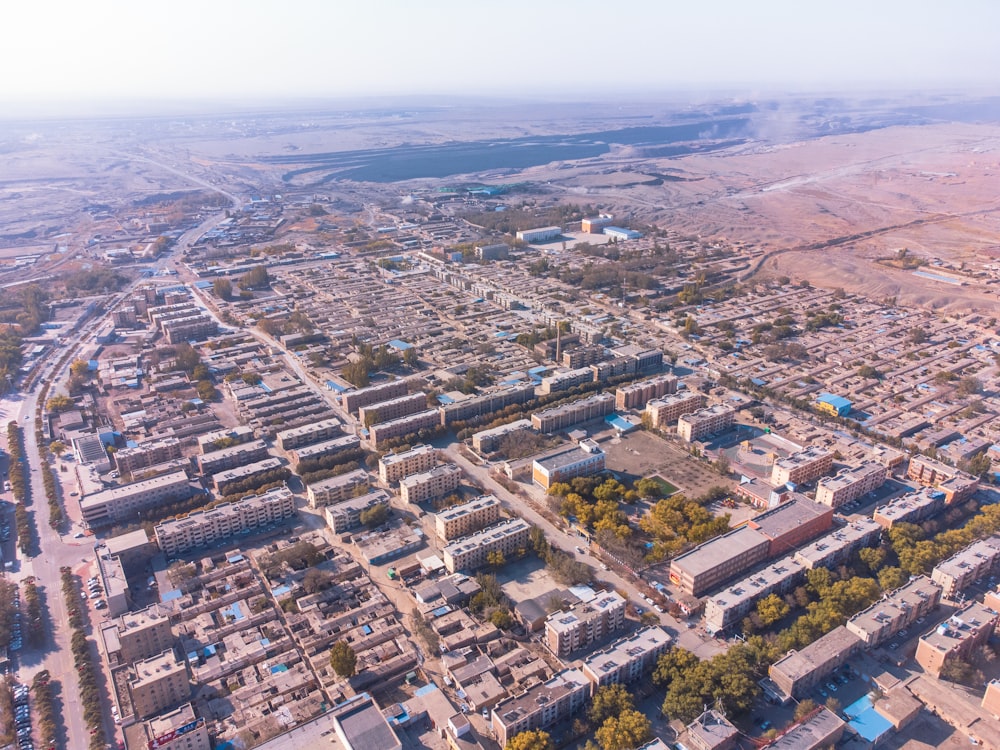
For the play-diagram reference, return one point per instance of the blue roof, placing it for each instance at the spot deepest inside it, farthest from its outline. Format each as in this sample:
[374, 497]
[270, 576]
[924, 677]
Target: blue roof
[835, 401]
[334, 387]
[400, 345]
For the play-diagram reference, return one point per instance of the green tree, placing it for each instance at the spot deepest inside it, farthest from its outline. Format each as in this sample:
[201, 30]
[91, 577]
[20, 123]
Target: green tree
[223, 289]
[805, 707]
[343, 660]
[627, 731]
[59, 403]
[411, 358]
[496, 559]
[771, 608]
[891, 578]
[57, 447]
[256, 278]
[609, 700]
[873, 558]
[502, 619]
[533, 739]
[375, 516]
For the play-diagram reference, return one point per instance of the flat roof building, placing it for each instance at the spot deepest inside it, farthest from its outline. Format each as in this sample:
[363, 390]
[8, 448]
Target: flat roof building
[159, 683]
[541, 234]
[404, 426]
[346, 515]
[583, 461]
[336, 489]
[635, 395]
[470, 552]
[627, 659]
[823, 729]
[225, 480]
[955, 638]
[228, 458]
[802, 467]
[912, 507]
[541, 706]
[584, 623]
[896, 610]
[837, 546]
[850, 484]
[394, 466]
[394, 408]
[208, 528]
[467, 518]
[713, 563]
[836, 406]
[127, 501]
[295, 437]
[351, 401]
[664, 412]
[711, 731]
[978, 560]
[179, 729]
[360, 725]
[792, 524]
[426, 485]
[704, 422]
[487, 441]
[582, 410]
[731, 605]
[798, 672]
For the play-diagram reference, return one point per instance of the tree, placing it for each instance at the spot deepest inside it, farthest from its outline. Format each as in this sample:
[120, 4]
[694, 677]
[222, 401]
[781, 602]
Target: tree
[502, 619]
[805, 707]
[771, 609]
[533, 739]
[316, 580]
[608, 701]
[873, 557]
[375, 516]
[868, 372]
[496, 559]
[59, 403]
[223, 289]
[256, 278]
[343, 660]
[79, 368]
[969, 385]
[891, 578]
[627, 731]
[57, 447]
[411, 358]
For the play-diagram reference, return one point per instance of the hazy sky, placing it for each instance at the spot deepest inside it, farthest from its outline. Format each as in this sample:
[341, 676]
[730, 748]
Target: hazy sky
[60, 50]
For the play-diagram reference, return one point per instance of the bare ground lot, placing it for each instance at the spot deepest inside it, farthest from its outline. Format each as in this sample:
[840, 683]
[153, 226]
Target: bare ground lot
[642, 454]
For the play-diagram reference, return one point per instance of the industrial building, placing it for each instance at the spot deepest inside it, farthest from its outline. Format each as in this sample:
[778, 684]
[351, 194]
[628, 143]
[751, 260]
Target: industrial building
[836, 406]
[542, 234]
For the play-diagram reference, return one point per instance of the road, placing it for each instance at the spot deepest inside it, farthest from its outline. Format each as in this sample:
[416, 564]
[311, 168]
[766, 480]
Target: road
[689, 639]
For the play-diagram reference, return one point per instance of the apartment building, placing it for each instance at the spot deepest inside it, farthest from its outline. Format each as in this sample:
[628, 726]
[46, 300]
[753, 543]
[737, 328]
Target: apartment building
[541, 706]
[150, 453]
[324, 429]
[635, 395]
[837, 547]
[487, 441]
[228, 458]
[664, 412]
[584, 623]
[225, 480]
[426, 485]
[467, 518]
[955, 638]
[346, 515]
[159, 683]
[325, 448]
[394, 408]
[627, 659]
[179, 729]
[128, 501]
[896, 610]
[850, 484]
[136, 636]
[710, 731]
[469, 553]
[801, 467]
[709, 421]
[336, 489]
[978, 560]
[713, 563]
[190, 328]
[583, 461]
[563, 381]
[798, 673]
[912, 507]
[582, 410]
[821, 730]
[486, 403]
[402, 427]
[394, 466]
[351, 401]
[956, 484]
[730, 606]
[206, 528]
[218, 439]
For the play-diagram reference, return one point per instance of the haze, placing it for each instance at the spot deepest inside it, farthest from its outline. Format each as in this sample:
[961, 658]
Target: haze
[67, 53]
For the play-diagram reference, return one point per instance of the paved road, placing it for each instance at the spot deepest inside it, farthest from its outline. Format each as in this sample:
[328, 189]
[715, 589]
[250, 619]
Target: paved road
[690, 639]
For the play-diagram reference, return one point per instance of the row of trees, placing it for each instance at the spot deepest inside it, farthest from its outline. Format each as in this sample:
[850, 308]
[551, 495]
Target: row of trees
[251, 484]
[563, 567]
[51, 494]
[45, 709]
[33, 611]
[86, 668]
[918, 555]
[7, 728]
